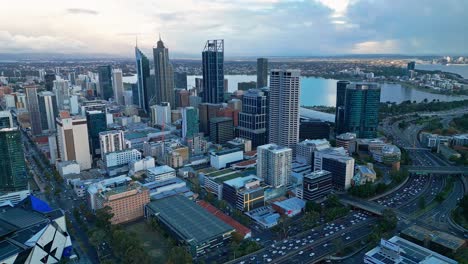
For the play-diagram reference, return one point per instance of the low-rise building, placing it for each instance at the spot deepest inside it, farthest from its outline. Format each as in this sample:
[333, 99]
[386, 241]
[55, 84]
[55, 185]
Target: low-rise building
[96, 187]
[213, 181]
[166, 188]
[437, 241]
[347, 141]
[364, 174]
[225, 157]
[68, 167]
[289, 207]
[244, 193]
[160, 173]
[317, 185]
[141, 165]
[386, 154]
[240, 143]
[305, 149]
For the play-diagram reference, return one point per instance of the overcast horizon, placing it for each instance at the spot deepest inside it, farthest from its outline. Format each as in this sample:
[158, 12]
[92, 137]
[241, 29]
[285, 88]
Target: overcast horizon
[249, 27]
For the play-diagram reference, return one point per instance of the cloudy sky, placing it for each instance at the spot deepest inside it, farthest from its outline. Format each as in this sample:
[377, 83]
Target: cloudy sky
[249, 27]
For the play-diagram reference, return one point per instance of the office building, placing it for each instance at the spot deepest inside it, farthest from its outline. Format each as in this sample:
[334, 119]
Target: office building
[253, 119]
[244, 86]
[13, 176]
[206, 112]
[305, 149]
[6, 120]
[105, 82]
[142, 96]
[180, 80]
[223, 158]
[160, 174]
[63, 94]
[120, 157]
[48, 110]
[289, 207]
[262, 72]
[316, 185]
[161, 114]
[49, 79]
[397, 250]
[387, 154]
[339, 105]
[126, 201]
[411, 66]
[284, 108]
[361, 109]
[313, 129]
[190, 124]
[347, 141]
[182, 98]
[274, 164]
[336, 161]
[213, 71]
[241, 143]
[117, 85]
[34, 233]
[111, 141]
[96, 123]
[244, 193]
[182, 218]
[72, 140]
[164, 75]
[221, 130]
[33, 109]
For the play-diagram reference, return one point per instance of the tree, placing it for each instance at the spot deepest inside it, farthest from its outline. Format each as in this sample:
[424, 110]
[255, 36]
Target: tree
[422, 202]
[237, 237]
[97, 236]
[311, 219]
[283, 227]
[313, 207]
[338, 245]
[388, 221]
[178, 255]
[103, 218]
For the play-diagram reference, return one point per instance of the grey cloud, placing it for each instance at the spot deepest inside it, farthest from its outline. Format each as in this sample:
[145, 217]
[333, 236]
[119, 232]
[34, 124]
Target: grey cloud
[77, 11]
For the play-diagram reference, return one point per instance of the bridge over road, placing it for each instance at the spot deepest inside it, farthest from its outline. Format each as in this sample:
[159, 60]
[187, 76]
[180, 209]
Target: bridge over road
[450, 170]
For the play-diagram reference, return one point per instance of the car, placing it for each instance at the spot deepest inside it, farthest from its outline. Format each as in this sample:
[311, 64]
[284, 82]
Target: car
[274, 251]
[326, 234]
[242, 262]
[265, 255]
[269, 260]
[325, 245]
[252, 258]
[258, 239]
[312, 254]
[283, 247]
[348, 238]
[301, 252]
[296, 247]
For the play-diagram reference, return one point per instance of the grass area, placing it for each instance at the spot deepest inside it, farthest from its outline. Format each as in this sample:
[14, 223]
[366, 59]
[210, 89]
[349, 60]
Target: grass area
[154, 243]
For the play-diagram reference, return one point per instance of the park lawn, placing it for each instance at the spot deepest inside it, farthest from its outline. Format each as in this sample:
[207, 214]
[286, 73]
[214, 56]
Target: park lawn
[153, 242]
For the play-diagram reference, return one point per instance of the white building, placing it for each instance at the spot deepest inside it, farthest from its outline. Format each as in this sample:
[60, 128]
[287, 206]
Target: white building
[161, 114]
[221, 159]
[284, 107]
[306, 148]
[121, 157]
[10, 101]
[117, 85]
[62, 93]
[68, 167]
[160, 173]
[111, 141]
[6, 115]
[141, 165]
[274, 164]
[72, 140]
[14, 197]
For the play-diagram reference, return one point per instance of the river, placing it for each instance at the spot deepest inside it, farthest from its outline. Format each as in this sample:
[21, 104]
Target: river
[461, 69]
[319, 91]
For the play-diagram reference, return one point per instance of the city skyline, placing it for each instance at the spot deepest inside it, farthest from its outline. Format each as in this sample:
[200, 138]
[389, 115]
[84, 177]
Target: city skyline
[324, 27]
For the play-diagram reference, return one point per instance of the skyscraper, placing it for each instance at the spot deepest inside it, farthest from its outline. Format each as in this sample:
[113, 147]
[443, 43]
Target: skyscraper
[213, 71]
[49, 79]
[253, 119]
[33, 109]
[180, 80]
[339, 106]
[221, 130]
[189, 122]
[361, 109]
[48, 110]
[164, 74]
[96, 123]
[284, 107]
[274, 164]
[72, 140]
[117, 84]
[105, 82]
[62, 93]
[13, 175]
[143, 72]
[411, 66]
[262, 72]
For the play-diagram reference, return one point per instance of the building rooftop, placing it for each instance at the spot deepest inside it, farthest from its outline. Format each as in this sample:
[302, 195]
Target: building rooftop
[346, 136]
[317, 174]
[221, 176]
[364, 169]
[241, 181]
[225, 151]
[291, 204]
[441, 238]
[220, 119]
[188, 220]
[313, 114]
[274, 148]
[161, 170]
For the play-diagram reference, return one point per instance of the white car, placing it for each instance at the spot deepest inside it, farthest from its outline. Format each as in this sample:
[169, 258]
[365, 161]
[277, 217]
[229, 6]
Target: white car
[312, 254]
[301, 252]
[269, 260]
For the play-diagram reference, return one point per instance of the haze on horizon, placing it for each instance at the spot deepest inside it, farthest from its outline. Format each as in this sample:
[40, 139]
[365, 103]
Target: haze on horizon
[249, 27]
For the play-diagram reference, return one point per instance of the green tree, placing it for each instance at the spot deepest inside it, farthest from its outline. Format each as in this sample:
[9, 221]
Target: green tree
[388, 220]
[310, 219]
[179, 255]
[312, 206]
[422, 202]
[103, 218]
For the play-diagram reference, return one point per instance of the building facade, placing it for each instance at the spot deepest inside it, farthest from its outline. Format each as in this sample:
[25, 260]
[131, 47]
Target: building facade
[213, 71]
[48, 110]
[262, 72]
[105, 82]
[164, 75]
[253, 119]
[110, 141]
[221, 130]
[117, 85]
[96, 123]
[317, 185]
[13, 176]
[33, 109]
[142, 96]
[190, 123]
[72, 140]
[274, 164]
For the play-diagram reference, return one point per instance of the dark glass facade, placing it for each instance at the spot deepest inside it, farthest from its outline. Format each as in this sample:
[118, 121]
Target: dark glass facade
[180, 80]
[338, 172]
[313, 129]
[213, 72]
[221, 130]
[105, 82]
[340, 101]
[262, 72]
[13, 175]
[253, 118]
[141, 95]
[317, 185]
[96, 122]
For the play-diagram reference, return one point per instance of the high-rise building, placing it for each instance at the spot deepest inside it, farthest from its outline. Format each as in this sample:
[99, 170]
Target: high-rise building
[6, 120]
[105, 82]
[221, 130]
[143, 73]
[313, 129]
[253, 119]
[336, 161]
[213, 71]
[182, 98]
[274, 164]
[72, 140]
[33, 109]
[284, 107]
[117, 85]
[411, 66]
[262, 72]
[164, 75]
[161, 114]
[339, 106]
[49, 79]
[62, 93]
[361, 115]
[206, 112]
[111, 141]
[96, 123]
[305, 149]
[189, 122]
[48, 110]
[72, 77]
[180, 80]
[13, 175]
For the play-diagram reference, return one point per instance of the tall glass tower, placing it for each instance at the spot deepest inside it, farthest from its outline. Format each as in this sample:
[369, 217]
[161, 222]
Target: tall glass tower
[143, 71]
[13, 175]
[339, 106]
[262, 72]
[105, 82]
[361, 109]
[164, 74]
[253, 119]
[213, 71]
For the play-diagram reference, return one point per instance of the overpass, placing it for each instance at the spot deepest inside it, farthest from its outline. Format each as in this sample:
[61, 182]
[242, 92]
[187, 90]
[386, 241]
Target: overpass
[450, 170]
[365, 205]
